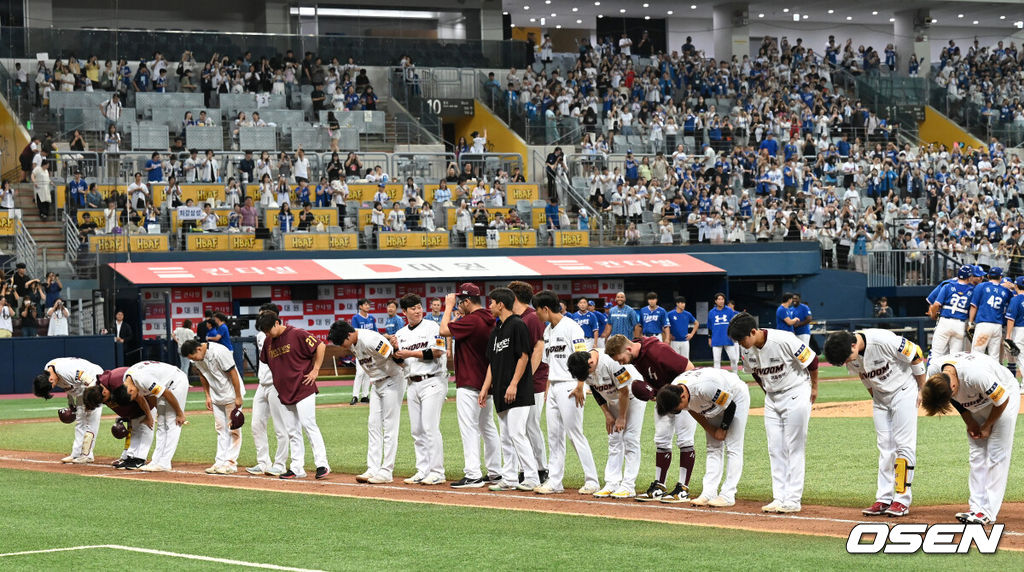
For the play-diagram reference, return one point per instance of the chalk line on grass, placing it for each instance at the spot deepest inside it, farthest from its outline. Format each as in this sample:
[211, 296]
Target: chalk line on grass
[163, 553]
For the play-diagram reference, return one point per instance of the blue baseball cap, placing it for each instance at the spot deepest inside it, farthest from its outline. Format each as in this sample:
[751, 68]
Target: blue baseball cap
[995, 272]
[1020, 282]
[977, 271]
[964, 272]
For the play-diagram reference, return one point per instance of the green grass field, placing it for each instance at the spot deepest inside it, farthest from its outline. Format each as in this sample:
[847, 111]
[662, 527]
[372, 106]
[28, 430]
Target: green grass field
[334, 533]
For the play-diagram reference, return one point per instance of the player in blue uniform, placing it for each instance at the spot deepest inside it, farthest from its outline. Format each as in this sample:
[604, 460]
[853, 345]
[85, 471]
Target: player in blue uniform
[393, 322]
[597, 309]
[682, 325]
[974, 274]
[1015, 327]
[988, 306]
[622, 319]
[952, 305]
[362, 320]
[802, 313]
[588, 321]
[784, 319]
[654, 318]
[718, 326]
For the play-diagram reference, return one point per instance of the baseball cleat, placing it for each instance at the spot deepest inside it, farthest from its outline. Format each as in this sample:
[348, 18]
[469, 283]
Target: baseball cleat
[379, 480]
[119, 464]
[623, 493]
[721, 502]
[433, 480]
[81, 460]
[255, 470]
[542, 474]
[589, 489]
[364, 400]
[789, 507]
[227, 470]
[415, 479]
[152, 468]
[67, 459]
[606, 492]
[493, 479]
[212, 470]
[133, 463]
[322, 472]
[468, 483]
[527, 486]
[653, 493]
[897, 509]
[364, 478]
[679, 494]
[700, 501]
[772, 506]
[503, 485]
[962, 516]
[354, 401]
[548, 489]
[877, 509]
[274, 472]
[979, 518]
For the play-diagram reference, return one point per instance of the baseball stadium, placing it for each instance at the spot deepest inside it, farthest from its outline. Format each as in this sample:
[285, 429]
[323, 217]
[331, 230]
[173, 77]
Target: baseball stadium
[324, 286]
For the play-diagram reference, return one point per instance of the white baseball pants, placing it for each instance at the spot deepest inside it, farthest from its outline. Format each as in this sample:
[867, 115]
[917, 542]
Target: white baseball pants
[731, 447]
[475, 424]
[382, 425]
[666, 426]
[988, 339]
[948, 337]
[229, 441]
[1018, 338]
[786, 415]
[301, 417]
[167, 431]
[425, 399]
[534, 434]
[990, 458]
[805, 338]
[266, 403]
[565, 418]
[139, 439]
[624, 447]
[895, 416]
[732, 351]
[516, 447]
[361, 383]
[85, 422]
[681, 348]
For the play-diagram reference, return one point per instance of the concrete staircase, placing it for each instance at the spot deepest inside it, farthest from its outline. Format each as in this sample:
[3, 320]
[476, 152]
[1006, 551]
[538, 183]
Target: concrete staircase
[48, 234]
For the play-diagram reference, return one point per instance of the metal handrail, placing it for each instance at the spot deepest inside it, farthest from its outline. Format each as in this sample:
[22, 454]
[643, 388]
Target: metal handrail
[72, 241]
[26, 250]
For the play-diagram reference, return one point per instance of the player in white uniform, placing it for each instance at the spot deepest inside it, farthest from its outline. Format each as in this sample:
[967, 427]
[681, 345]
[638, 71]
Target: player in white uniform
[224, 393]
[988, 399]
[610, 384]
[387, 386]
[787, 371]
[170, 385]
[566, 398]
[892, 369]
[719, 400]
[73, 375]
[422, 350]
[266, 403]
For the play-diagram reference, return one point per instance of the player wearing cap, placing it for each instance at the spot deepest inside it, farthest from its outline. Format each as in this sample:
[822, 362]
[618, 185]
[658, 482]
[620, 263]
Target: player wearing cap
[521, 308]
[110, 390]
[1015, 326]
[659, 365]
[170, 386]
[654, 318]
[387, 386]
[266, 403]
[566, 398]
[718, 330]
[988, 399]
[469, 334]
[588, 322]
[719, 401]
[973, 273]
[787, 371]
[892, 369]
[294, 357]
[988, 307]
[952, 305]
[610, 383]
[224, 392]
[73, 375]
[362, 320]
[681, 326]
[422, 351]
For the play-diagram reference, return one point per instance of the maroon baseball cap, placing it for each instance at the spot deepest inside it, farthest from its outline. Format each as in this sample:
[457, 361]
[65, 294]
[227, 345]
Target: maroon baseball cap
[468, 289]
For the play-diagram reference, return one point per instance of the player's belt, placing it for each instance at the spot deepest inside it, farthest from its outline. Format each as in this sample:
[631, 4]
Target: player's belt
[559, 380]
[964, 319]
[417, 378]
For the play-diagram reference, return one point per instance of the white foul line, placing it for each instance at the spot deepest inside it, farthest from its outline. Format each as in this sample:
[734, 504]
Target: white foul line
[164, 553]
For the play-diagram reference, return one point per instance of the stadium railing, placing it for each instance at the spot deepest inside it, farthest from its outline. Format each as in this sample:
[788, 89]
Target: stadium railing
[905, 267]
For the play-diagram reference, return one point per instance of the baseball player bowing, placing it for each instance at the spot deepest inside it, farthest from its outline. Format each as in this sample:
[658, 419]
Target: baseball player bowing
[719, 401]
[610, 384]
[659, 365]
[422, 350]
[169, 385]
[988, 399]
[73, 375]
[294, 357]
[224, 392]
[787, 371]
[110, 390]
[376, 356]
[566, 398]
[266, 403]
[892, 369]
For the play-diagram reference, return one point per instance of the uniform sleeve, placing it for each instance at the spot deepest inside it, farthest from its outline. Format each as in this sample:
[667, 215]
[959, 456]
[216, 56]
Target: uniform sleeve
[1011, 311]
[306, 342]
[976, 295]
[521, 340]
[461, 328]
[933, 296]
[803, 356]
[997, 393]
[382, 347]
[664, 319]
[942, 295]
[225, 361]
[577, 339]
[546, 338]
[907, 351]
[626, 375]
[780, 317]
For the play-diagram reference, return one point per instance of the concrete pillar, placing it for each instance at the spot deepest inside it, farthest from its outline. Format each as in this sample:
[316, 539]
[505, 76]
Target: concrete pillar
[731, 31]
[277, 19]
[39, 14]
[910, 37]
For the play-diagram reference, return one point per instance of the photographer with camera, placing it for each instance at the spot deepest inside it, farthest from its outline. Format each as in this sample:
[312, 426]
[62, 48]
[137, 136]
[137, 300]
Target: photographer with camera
[53, 288]
[6, 317]
[58, 315]
[29, 323]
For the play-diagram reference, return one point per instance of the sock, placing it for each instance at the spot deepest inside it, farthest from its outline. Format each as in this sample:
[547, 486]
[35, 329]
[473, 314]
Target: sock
[686, 459]
[662, 461]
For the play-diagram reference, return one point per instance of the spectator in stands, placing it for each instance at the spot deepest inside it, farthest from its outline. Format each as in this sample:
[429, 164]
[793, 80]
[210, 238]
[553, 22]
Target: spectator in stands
[353, 166]
[632, 235]
[112, 140]
[322, 193]
[396, 218]
[111, 110]
[551, 214]
[319, 99]
[284, 194]
[381, 195]
[58, 315]
[426, 217]
[204, 120]
[209, 168]
[232, 193]
[29, 321]
[209, 218]
[52, 288]
[301, 166]
[77, 141]
[219, 333]
[6, 315]
[338, 194]
[76, 190]
[443, 195]
[7, 198]
[284, 165]
[154, 170]
[285, 218]
[139, 193]
[249, 216]
[41, 187]
[235, 219]
[307, 220]
[87, 227]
